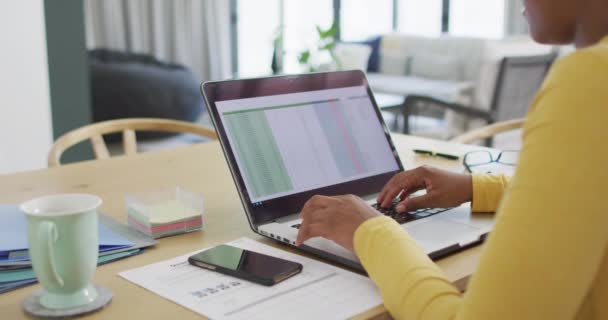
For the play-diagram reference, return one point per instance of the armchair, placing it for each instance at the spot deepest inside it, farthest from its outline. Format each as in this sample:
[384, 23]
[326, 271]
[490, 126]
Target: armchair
[519, 78]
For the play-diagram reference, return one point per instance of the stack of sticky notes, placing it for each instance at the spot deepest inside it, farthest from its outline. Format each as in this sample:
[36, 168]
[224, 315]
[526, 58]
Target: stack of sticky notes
[162, 214]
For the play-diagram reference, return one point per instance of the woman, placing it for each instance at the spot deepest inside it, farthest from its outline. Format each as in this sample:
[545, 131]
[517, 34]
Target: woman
[547, 257]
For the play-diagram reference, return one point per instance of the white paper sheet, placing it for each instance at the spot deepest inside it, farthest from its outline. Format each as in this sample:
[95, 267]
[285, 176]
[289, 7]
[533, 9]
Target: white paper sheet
[321, 291]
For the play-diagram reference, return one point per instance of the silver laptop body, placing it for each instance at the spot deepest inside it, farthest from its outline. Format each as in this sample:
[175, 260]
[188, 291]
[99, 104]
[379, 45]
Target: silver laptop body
[287, 138]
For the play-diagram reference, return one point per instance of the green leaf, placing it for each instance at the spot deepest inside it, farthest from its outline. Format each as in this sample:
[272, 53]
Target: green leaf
[329, 33]
[320, 32]
[328, 46]
[333, 30]
[303, 57]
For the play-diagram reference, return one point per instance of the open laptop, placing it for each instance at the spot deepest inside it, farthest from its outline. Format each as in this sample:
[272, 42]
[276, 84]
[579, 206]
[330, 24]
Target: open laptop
[288, 138]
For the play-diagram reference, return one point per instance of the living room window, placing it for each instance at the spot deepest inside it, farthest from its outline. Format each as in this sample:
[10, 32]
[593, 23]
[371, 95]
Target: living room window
[257, 23]
[300, 21]
[490, 24]
[260, 21]
[362, 19]
[419, 17]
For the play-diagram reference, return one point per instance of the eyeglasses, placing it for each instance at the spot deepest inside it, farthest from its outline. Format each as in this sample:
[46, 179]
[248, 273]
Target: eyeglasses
[475, 161]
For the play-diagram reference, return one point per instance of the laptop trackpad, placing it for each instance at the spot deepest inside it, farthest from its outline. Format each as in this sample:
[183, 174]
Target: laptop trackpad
[436, 234]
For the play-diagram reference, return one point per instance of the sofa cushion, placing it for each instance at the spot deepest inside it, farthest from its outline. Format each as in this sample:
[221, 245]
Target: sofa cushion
[374, 58]
[352, 56]
[373, 63]
[127, 85]
[468, 50]
[435, 66]
[395, 63]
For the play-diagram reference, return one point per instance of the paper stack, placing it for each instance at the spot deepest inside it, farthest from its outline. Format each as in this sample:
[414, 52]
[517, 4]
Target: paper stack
[321, 291]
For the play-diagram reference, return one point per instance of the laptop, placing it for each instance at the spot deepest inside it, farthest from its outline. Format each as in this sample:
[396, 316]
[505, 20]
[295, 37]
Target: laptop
[287, 138]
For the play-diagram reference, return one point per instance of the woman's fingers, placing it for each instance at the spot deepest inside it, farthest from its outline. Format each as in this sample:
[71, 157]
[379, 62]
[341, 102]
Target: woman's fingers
[317, 215]
[406, 193]
[338, 221]
[315, 223]
[310, 231]
[408, 181]
[312, 215]
[415, 203]
[391, 190]
[386, 187]
[317, 202]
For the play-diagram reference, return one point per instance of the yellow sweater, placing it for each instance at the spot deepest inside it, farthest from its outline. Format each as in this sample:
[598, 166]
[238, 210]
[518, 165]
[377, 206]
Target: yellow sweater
[547, 257]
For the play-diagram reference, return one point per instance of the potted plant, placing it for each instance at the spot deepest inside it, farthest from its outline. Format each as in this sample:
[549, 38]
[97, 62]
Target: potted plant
[309, 59]
[326, 44]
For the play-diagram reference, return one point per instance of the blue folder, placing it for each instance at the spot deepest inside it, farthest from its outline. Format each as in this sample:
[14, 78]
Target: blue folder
[14, 279]
[13, 236]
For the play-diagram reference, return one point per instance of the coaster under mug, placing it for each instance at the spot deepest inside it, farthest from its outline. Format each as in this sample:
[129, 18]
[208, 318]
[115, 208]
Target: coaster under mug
[31, 306]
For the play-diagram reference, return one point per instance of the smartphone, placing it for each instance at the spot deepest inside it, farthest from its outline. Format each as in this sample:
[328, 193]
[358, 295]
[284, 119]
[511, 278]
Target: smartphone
[245, 264]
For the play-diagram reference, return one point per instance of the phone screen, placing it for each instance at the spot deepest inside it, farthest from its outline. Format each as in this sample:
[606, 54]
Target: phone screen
[247, 264]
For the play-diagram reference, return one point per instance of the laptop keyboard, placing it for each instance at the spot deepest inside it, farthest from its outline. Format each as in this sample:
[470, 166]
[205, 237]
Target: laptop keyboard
[401, 218]
[404, 217]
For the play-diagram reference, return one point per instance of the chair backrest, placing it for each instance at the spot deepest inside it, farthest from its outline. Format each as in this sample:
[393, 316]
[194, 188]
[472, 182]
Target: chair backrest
[95, 132]
[489, 131]
[519, 79]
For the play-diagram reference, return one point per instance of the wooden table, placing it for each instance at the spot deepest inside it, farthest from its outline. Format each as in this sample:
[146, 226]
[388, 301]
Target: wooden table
[200, 168]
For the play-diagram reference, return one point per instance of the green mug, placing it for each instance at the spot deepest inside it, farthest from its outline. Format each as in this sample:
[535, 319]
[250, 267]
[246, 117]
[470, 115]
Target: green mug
[63, 247]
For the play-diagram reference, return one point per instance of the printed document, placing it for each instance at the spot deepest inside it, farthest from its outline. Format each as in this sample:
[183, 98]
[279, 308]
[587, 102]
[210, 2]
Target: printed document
[321, 291]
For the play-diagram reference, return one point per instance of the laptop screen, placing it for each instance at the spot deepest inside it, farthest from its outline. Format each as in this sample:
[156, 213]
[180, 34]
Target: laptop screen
[291, 137]
[291, 143]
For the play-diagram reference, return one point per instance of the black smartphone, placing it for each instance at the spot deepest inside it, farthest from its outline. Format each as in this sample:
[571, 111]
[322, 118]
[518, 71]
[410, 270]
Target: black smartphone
[245, 264]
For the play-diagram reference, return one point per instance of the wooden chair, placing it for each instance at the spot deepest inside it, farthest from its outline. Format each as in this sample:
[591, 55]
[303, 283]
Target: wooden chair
[95, 133]
[488, 132]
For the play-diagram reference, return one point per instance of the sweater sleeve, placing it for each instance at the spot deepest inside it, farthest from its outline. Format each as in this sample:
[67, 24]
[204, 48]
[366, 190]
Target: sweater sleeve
[488, 191]
[550, 237]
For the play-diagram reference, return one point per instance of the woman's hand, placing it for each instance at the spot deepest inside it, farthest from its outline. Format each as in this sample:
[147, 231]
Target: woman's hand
[444, 189]
[334, 218]
[337, 218]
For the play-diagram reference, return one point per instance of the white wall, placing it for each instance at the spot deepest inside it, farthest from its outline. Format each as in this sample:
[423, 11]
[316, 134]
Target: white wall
[25, 107]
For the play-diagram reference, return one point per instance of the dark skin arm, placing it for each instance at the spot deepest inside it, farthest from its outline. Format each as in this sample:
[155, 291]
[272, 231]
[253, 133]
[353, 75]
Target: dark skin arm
[444, 189]
[337, 218]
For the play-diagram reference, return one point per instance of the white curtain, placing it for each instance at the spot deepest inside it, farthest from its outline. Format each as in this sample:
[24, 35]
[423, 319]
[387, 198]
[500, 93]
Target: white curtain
[515, 23]
[195, 33]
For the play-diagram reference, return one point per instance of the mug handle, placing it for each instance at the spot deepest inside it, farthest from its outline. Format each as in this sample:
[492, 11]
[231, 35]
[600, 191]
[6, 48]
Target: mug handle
[47, 232]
